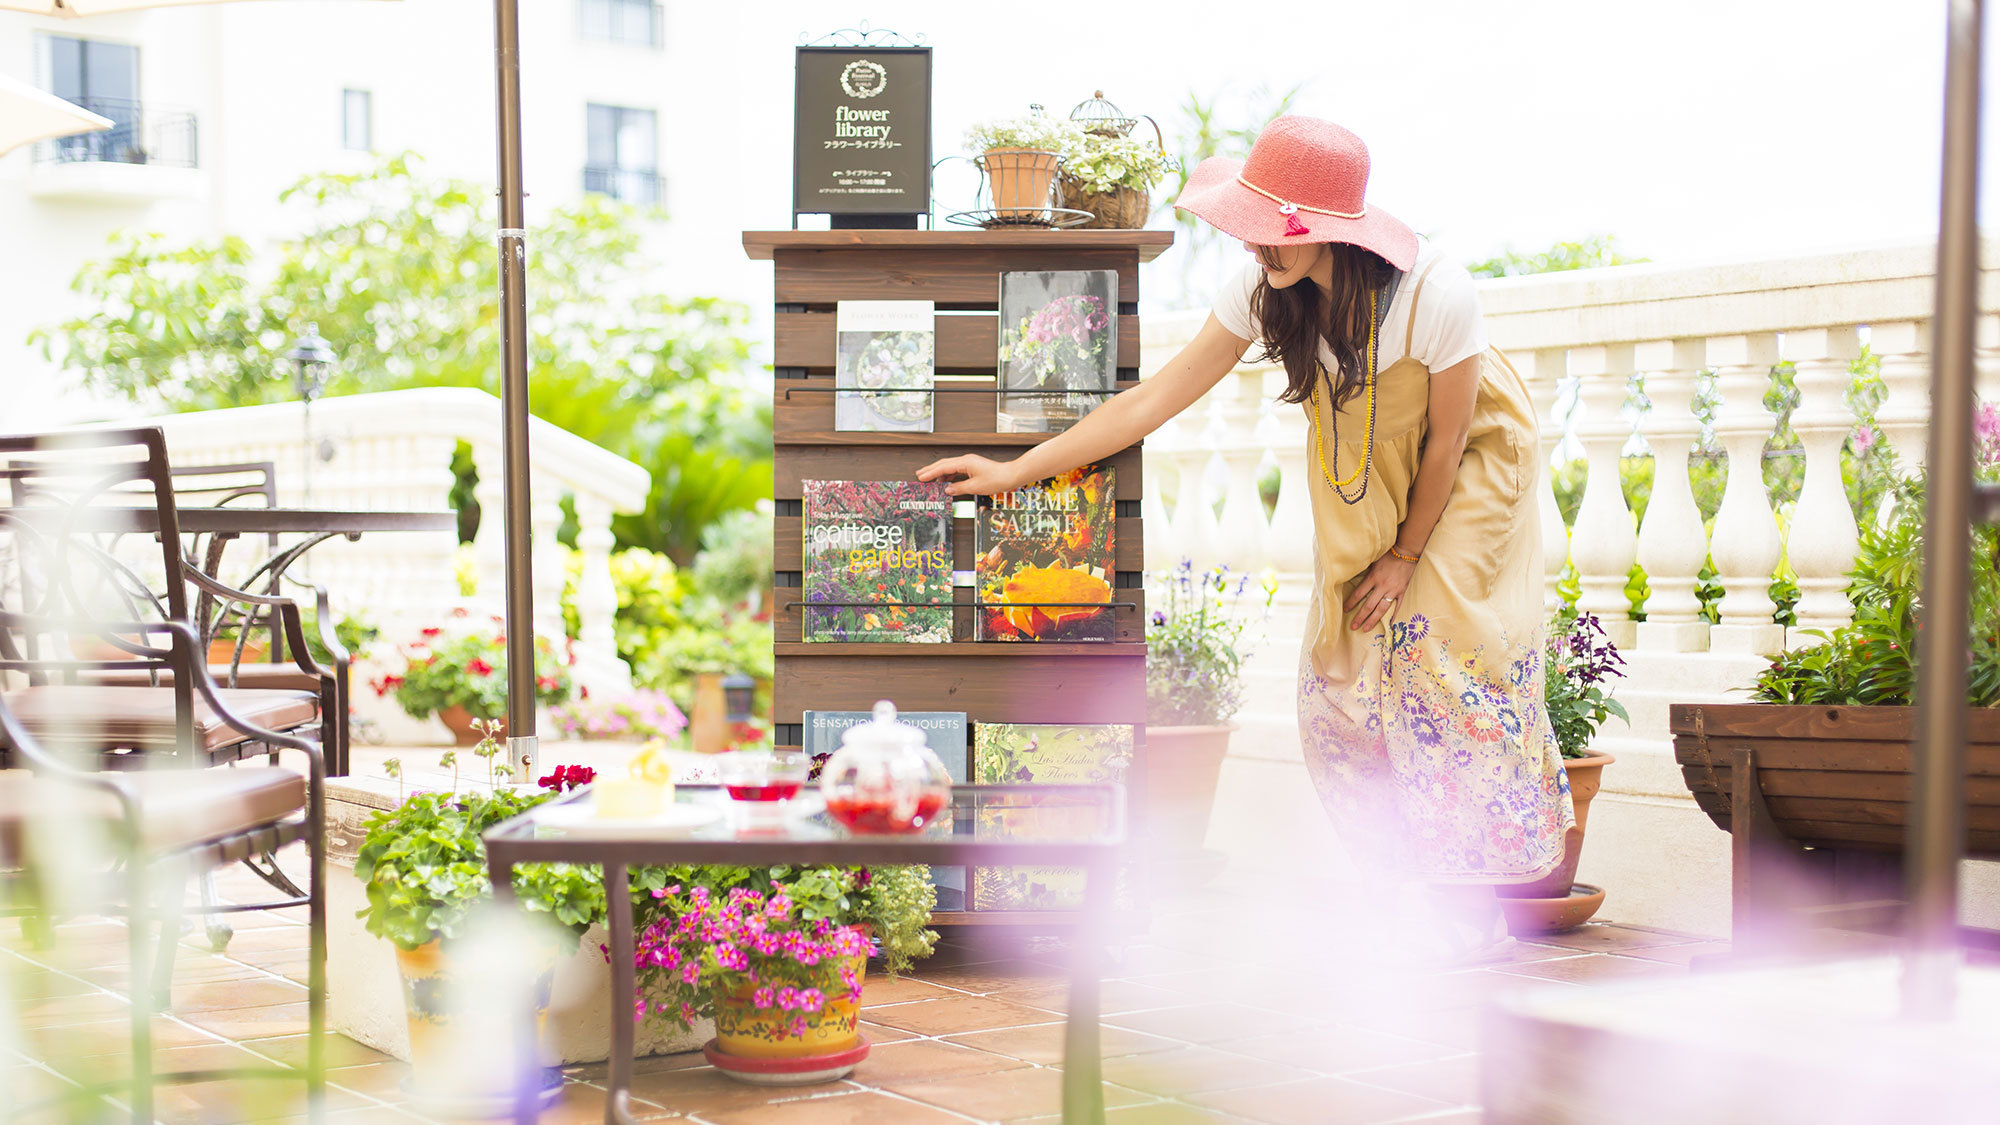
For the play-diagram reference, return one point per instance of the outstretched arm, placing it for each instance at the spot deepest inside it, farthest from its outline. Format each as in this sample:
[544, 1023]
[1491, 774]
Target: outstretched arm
[1120, 422]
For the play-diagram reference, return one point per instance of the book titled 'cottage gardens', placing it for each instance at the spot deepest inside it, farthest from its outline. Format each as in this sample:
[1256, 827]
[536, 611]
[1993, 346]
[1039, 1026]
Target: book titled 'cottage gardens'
[878, 555]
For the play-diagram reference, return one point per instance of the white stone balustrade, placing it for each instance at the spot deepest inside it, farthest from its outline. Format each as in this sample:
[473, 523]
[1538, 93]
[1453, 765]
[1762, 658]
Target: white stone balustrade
[1593, 330]
[392, 452]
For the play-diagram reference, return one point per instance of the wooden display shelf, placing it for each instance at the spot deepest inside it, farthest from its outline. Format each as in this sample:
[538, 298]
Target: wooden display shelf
[989, 681]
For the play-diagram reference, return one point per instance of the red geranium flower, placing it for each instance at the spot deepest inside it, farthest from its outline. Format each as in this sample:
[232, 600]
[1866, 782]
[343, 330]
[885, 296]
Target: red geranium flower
[479, 667]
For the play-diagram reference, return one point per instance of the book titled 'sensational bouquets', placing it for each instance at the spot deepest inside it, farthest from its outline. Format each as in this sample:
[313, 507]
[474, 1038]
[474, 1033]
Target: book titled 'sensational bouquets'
[1033, 753]
[881, 347]
[879, 553]
[1045, 561]
[944, 733]
[1058, 333]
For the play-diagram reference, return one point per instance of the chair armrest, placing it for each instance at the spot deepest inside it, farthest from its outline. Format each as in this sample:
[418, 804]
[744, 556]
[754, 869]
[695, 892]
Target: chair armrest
[44, 764]
[323, 632]
[286, 609]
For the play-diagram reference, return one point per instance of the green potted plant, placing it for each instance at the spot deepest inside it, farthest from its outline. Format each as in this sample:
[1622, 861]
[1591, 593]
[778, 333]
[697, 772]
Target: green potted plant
[1020, 156]
[459, 674]
[1112, 177]
[776, 957]
[1195, 648]
[1578, 666]
[423, 868]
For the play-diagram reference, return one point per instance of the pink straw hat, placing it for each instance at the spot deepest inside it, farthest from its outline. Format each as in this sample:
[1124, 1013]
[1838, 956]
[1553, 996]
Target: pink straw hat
[1306, 181]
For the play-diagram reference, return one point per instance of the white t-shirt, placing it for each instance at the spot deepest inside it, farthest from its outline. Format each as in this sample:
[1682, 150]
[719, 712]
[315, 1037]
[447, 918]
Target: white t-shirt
[1449, 328]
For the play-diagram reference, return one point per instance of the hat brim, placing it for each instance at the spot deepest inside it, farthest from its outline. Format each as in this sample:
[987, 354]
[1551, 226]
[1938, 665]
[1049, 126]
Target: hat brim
[1214, 195]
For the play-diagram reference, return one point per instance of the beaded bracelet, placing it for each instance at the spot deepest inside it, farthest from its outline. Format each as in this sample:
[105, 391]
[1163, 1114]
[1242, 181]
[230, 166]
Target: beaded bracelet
[1398, 554]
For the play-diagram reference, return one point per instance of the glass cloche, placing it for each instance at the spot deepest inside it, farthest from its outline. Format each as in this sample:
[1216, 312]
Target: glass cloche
[885, 777]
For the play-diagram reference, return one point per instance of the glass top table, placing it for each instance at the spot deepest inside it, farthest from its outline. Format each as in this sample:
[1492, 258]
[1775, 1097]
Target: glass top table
[1078, 826]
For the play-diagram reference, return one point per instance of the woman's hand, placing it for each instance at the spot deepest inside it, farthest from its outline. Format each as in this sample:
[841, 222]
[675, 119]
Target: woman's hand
[975, 475]
[1380, 588]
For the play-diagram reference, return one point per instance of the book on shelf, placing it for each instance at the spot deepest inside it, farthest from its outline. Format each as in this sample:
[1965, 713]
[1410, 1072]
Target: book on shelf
[1044, 560]
[879, 552]
[882, 347]
[945, 733]
[1058, 348]
[1046, 754]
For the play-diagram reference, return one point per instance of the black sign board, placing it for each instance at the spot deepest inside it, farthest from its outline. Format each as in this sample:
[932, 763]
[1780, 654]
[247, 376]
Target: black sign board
[861, 132]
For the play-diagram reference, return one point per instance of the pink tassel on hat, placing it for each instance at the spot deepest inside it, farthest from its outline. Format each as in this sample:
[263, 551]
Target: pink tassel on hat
[1292, 224]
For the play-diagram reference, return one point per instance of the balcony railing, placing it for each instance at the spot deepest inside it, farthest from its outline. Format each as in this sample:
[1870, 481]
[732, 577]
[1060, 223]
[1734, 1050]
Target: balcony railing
[632, 185]
[622, 21]
[143, 134]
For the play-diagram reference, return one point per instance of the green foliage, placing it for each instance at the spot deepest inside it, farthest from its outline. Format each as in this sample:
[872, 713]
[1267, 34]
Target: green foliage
[1870, 660]
[1586, 253]
[1579, 664]
[736, 557]
[1195, 647]
[398, 271]
[668, 628]
[468, 668]
[1102, 163]
[424, 868]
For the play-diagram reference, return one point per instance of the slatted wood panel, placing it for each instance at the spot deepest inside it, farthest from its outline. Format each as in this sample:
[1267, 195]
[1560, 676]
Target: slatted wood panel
[1831, 776]
[1128, 615]
[803, 410]
[992, 682]
[967, 344]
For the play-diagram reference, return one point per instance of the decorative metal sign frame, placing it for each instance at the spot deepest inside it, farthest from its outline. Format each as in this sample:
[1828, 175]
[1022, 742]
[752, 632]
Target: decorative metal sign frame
[861, 129]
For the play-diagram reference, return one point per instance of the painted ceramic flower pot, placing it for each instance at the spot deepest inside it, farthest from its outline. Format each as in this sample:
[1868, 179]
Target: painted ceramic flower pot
[436, 1070]
[763, 1045]
[1561, 907]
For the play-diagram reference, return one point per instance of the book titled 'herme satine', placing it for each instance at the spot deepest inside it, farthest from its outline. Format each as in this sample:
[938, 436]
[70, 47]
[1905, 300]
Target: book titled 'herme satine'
[1045, 562]
[877, 561]
[1040, 754]
[885, 365]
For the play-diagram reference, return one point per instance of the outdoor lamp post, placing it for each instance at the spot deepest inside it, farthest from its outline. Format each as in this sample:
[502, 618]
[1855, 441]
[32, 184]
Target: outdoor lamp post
[739, 697]
[312, 361]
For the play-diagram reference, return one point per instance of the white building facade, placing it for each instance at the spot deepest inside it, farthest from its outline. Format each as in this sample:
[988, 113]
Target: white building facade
[220, 108]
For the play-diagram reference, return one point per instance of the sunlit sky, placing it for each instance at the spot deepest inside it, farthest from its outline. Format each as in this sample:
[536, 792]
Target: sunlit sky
[1694, 130]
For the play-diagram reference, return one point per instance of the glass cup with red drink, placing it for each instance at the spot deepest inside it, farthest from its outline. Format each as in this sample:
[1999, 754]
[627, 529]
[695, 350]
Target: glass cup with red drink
[763, 778]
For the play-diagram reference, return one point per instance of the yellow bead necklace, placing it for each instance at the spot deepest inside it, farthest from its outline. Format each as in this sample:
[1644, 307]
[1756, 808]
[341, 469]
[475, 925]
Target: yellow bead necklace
[1368, 442]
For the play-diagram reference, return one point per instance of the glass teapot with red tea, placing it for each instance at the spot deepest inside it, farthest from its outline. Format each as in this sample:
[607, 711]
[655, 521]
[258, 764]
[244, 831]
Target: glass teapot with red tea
[885, 778]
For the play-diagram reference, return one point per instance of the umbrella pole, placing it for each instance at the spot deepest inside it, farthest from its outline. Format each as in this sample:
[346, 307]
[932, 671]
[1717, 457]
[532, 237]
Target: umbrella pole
[1937, 793]
[521, 741]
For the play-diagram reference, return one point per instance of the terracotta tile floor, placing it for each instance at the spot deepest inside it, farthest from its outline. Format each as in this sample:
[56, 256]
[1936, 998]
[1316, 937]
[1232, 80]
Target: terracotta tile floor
[1200, 1026]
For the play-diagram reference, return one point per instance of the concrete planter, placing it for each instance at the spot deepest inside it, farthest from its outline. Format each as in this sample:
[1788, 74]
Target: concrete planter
[365, 988]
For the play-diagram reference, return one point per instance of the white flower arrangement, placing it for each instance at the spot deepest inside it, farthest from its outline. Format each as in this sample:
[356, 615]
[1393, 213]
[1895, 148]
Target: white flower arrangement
[1035, 131]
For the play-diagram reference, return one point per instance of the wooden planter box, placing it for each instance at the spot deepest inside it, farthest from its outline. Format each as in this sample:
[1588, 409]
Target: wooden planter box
[1816, 800]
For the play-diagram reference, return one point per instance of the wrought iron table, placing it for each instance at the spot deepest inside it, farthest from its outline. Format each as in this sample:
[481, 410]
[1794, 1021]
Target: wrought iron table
[1076, 826]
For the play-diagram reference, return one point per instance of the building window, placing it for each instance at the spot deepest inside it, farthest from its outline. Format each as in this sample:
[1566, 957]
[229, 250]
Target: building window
[621, 21]
[357, 120]
[620, 153]
[103, 77]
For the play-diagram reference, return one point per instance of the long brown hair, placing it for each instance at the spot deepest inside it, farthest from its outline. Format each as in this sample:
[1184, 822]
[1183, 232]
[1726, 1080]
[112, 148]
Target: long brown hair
[1294, 320]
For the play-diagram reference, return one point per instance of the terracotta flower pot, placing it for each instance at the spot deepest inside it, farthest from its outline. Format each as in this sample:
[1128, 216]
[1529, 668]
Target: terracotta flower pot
[1023, 182]
[1557, 889]
[708, 725]
[1182, 767]
[222, 651]
[459, 722]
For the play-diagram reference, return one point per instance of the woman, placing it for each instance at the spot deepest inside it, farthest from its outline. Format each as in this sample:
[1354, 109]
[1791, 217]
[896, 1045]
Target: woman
[1420, 682]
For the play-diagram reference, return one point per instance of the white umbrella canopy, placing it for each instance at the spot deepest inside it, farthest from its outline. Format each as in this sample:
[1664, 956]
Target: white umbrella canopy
[28, 115]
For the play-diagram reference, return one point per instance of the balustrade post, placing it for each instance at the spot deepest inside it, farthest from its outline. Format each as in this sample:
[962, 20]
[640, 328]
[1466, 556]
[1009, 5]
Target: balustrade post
[1904, 415]
[598, 665]
[489, 544]
[1543, 370]
[1746, 546]
[1986, 359]
[550, 558]
[1291, 542]
[1195, 530]
[1242, 527]
[1606, 542]
[1673, 544]
[1822, 538]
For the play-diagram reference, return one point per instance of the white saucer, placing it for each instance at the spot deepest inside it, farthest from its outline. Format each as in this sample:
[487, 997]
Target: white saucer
[676, 820]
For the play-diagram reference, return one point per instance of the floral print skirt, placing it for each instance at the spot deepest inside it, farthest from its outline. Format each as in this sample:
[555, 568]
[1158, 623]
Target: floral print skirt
[1436, 762]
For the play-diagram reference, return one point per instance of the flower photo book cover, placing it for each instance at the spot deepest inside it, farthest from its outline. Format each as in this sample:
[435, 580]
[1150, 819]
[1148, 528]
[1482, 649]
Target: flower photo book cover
[1041, 754]
[879, 552]
[945, 734]
[881, 347]
[1044, 565]
[1058, 333]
